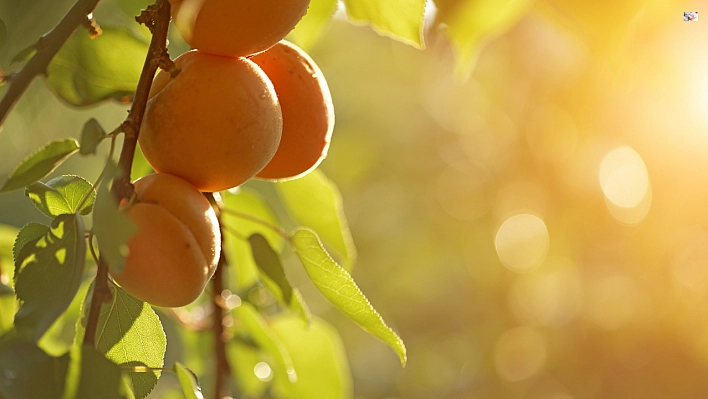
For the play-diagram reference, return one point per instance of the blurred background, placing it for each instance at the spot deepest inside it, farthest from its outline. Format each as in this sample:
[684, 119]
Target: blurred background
[538, 230]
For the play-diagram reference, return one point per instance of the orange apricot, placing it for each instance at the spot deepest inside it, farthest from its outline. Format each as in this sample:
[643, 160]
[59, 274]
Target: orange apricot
[216, 124]
[306, 104]
[176, 247]
[236, 28]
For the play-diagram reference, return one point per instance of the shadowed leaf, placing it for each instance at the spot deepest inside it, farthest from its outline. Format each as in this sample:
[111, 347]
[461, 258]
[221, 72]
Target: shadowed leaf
[40, 163]
[91, 136]
[62, 195]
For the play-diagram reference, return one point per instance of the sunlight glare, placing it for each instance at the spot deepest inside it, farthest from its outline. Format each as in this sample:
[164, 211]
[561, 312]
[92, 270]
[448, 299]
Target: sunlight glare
[522, 242]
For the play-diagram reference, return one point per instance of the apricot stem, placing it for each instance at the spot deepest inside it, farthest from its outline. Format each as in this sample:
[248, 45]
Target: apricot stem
[47, 47]
[121, 187]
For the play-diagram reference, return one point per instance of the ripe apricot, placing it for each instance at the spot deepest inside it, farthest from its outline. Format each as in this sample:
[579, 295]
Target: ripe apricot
[176, 248]
[236, 28]
[306, 104]
[216, 124]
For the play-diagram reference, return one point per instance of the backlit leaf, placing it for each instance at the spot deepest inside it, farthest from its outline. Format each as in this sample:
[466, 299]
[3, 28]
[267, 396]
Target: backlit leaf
[91, 136]
[469, 24]
[130, 334]
[314, 201]
[311, 26]
[338, 286]
[188, 381]
[62, 195]
[48, 272]
[86, 71]
[318, 357]
[401, 20]
[237, 228]
[40, 163]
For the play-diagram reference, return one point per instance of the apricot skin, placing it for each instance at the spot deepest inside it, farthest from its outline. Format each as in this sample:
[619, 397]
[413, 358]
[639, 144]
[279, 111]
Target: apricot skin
[236, 28]
[308, 113]
[216, 124]
[176, 248]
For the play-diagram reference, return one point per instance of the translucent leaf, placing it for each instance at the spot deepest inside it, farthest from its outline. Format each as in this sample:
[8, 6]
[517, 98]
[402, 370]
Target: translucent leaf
[338, 286]
[40, 163]
[261, 333]
[62, 195]
[274, 278]
[130, 334]
[86, 71]
[469, 24]
[401, 20]
[188, 381]
[112, 228]
[314, 201]
[91, 136]
[48, 272]
[318, 357]
[237, 228]
[311, 26]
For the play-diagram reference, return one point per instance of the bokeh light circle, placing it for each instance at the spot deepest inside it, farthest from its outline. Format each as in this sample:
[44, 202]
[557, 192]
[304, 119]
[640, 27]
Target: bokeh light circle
[522, 242]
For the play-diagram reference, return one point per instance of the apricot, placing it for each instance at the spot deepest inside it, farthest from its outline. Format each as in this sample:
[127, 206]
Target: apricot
[236, 28]
[306, 104]
[216, 124]
[176, 248]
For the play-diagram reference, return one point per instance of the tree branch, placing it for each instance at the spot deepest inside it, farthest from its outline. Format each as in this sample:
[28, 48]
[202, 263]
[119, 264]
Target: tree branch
[47, 47]
[157, 18]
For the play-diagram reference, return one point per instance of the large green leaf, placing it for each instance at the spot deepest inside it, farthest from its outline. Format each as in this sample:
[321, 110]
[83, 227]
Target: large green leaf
[314, 201]
[274, 278]
[338, 286]
[86, 71]
[48, 272]
[130, 334]
[237, 228]
[469, 24]
[401, 20]
[90, 375]
[62, 195]
[318, 357]
[112, 228]
[188, 381]
[311, 26]
[260, 332]
[40, 163]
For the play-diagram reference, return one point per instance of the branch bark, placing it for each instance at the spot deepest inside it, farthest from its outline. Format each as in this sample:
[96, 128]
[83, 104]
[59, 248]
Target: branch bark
[157, 18]
[47, 47]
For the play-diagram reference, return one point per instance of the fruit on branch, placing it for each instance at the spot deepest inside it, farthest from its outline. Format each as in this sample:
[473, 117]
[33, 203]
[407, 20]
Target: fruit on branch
[176, 248]
[236, 27]
[216, 124]
[306, 104]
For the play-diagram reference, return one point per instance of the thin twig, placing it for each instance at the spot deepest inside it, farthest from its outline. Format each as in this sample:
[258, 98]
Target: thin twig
[223, 369]
[47, 47]
[121, 187]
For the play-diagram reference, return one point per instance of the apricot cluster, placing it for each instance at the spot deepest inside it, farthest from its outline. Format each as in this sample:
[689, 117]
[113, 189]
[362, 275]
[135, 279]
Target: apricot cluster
[245, 103]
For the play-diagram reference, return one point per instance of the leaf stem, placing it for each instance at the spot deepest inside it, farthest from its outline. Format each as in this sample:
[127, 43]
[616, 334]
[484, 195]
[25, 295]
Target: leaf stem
[260, 221]
[47, 47]
[157, 17]
[100, 175]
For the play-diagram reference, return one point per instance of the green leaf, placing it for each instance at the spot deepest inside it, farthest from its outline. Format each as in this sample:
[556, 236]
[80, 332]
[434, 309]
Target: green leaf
[62, 195]
[243, 357]
[401, 20]
[318, 357]
[90, 375]
[338, 286]
[246, 202]
[24, 55]
[130, 334]
[261, 333]
[274, 278]
[311, 26]
[189, 382]
[91, 136]
[112, 228]
[48, 272]
[86, 71]
[469, 24]
[314, 201]
[40, 163]
[28, 372]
